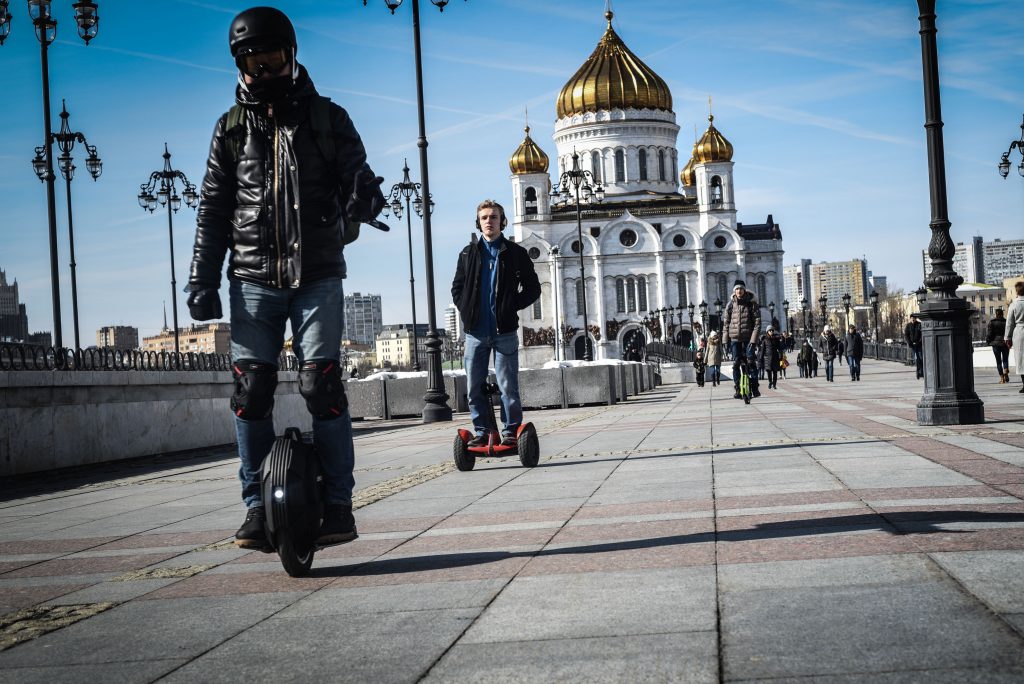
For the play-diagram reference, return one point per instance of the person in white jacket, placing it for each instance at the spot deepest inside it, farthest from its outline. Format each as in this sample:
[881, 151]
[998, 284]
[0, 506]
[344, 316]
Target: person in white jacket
[1015, 330]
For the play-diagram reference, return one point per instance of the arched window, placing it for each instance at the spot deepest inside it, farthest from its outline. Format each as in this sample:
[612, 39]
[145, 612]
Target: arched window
[595, 166]
[723, 288]
[537, 310]
[579, 298]
[661, 165]
[631, 295]
[643, 164]
[641, 293]
[681, 284]
[620, 166]
[530, 201]
[716, 190]
[762, 291]
[675, 162]
[620, 295]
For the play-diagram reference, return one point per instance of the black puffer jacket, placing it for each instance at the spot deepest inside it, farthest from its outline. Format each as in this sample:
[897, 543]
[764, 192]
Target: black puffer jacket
[280, 208]
[517, 284]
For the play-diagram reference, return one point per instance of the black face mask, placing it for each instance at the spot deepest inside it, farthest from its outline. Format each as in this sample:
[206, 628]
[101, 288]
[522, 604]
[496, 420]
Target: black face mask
[268, 90]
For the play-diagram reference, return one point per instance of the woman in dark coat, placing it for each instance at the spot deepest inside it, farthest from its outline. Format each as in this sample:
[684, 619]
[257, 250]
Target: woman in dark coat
[772, 355]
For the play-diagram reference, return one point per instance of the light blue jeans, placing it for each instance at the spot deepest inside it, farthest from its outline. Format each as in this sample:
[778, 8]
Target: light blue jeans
[258, 318]
[506, 371]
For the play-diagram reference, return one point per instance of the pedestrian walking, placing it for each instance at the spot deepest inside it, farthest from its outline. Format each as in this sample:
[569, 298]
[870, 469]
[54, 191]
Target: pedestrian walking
[699, 366]
[772, 355]
[814, 361]
[803, 359]
[912, 334]
[854, 347]
[760, 359]
[1014, 334]
[713, 358]
[286, 264]
[742, 329]
[829, 346]
[995, 337]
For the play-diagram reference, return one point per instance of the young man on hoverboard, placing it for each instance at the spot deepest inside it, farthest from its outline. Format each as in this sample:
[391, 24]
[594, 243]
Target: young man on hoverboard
[494, 279]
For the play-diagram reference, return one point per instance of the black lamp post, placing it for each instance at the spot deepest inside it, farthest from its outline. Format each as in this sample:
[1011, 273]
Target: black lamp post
[408, 190]
[435, 401]
[689, 312]
[165, 184]
[874, 306]
[704, 320]
[823, 305]
[803, 309]
[66, 140]
[579, 186]
[846, 308]
[88, 20]
[785, 313]
[771, 311]
[949, 397]
[1004, 163]
[718, 312]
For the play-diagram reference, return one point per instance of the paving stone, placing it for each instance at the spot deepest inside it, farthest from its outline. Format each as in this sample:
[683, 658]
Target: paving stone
[679, 657]
[397, 598]
[995, 577]
[374, 647]
[141, 671]
[599, 604]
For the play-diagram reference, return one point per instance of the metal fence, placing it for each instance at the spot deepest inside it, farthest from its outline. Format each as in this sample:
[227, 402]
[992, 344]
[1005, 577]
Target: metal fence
[660, 351]
[900, 353]
[15, 357]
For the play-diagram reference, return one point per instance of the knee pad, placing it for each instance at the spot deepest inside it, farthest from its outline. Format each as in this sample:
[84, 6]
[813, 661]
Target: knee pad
[320, 384]
[255, 382]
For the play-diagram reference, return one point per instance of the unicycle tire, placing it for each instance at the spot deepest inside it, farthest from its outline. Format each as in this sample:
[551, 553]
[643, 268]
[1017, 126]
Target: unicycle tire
[294, 563]
[746, 398]
[291, 481]
[464, 460]
[528, 447]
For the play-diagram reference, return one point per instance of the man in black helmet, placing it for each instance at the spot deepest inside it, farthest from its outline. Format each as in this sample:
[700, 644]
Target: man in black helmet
[286, 186]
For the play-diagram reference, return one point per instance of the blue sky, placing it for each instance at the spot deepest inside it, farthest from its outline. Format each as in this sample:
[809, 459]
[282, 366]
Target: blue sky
[822, 100]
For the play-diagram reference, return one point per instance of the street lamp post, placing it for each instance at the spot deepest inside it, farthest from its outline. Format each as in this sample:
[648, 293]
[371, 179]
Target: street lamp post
[949, 397]
[874, 305]
[718, 312]
[579, 186]
[408, 191]
[823, 305]
[803, 309]
[1004, 163]
[689, 312]
[165, 184]
[88, 20]
[66, 140]
[846, 309]
[771, 312]
[435, 401]
[704, 320]
[785, 313]
[553, 253]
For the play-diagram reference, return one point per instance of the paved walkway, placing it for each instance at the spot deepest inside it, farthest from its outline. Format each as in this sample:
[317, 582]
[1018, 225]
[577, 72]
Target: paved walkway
[681, 536]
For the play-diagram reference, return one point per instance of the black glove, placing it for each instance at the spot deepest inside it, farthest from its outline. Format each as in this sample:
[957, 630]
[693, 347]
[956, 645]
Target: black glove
[367, 201]
[204, 305]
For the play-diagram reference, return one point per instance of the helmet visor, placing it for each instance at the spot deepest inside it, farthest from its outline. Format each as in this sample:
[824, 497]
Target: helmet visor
[255, 62]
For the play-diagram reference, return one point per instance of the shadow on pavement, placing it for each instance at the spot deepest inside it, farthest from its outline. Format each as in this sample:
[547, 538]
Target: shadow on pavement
[903, 523]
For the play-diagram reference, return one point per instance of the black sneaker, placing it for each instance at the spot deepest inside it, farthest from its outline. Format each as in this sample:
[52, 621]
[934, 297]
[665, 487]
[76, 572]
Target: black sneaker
[736, 395]
[508, 439]
[338, 525]
[756, 393]
[477, 441]
[253, 534]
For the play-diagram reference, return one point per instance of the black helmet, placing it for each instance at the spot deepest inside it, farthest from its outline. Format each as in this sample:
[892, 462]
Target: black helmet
[260, 27]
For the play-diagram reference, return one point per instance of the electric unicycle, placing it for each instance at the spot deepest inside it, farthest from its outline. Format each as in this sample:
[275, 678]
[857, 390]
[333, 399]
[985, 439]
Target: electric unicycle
[526, 446]
[292, 485]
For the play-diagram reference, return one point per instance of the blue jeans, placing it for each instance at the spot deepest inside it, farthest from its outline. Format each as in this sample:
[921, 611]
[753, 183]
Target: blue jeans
[716, 374]
[739, 353]
[830, 369]
[854, 367]
[506, 370]
[258, 318]
[1002, 354]
[915, 350]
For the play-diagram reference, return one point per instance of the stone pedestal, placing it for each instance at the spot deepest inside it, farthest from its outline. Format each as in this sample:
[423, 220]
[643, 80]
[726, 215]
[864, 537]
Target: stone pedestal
[949, 397]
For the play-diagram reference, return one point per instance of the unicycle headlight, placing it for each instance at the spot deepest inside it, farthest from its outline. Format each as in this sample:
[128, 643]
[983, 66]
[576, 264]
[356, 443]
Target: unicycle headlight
[279, 494]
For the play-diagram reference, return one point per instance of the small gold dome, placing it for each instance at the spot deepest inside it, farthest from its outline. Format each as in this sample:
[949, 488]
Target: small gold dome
[613, 78]
[712, 147]
[528, 157]
[687, 176]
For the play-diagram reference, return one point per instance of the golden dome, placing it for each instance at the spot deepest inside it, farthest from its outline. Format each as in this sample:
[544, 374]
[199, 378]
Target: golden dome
[687, 176]
[613, 78]
[528, 157]
[712, 147]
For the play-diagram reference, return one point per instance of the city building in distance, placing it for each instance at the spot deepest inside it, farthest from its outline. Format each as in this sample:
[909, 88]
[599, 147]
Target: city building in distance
[983, 262]
[120, 337]
[362, 317]
[207, 338]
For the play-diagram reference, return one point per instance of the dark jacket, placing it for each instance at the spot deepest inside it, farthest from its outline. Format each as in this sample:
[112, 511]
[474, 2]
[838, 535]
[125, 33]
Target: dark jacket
[742, 320]
[772, 351]
[854, 346]
[517, 285]
[829, 346]
[805, 357]
[912, 333]
[996, 332]
[279, 209]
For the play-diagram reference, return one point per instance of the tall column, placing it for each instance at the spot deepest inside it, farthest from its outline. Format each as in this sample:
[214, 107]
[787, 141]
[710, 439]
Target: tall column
[702, 278]
[598, 270]
[659, 262]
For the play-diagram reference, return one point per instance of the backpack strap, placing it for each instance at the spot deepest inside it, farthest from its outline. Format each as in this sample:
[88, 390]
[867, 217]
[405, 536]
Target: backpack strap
[234, 131]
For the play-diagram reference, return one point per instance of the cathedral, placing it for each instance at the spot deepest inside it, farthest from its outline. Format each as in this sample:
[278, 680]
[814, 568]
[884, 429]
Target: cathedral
[620, 245]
